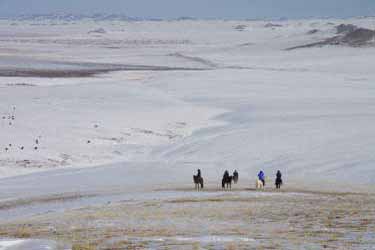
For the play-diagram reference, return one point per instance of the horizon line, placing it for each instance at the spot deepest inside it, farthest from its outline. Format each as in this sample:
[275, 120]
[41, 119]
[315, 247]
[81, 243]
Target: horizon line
[180, 18]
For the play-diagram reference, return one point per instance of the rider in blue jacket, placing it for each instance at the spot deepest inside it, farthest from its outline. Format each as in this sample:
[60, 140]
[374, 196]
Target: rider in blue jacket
[262, 177]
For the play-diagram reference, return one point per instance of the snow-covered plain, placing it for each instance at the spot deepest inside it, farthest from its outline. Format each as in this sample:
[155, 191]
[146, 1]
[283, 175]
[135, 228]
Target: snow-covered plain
[226, 99]
[157, 100]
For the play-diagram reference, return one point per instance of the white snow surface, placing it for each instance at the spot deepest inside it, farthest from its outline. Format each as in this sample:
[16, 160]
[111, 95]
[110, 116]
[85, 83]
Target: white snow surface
[4, 244]
[16, 244]
[252, 105]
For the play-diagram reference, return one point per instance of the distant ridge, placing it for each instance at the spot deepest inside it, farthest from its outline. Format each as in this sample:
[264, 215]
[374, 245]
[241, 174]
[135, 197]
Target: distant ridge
[70, 17]
[347, 35]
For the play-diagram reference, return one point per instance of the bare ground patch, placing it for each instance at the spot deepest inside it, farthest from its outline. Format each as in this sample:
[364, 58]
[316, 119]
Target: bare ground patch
[82, 73]
[40, 200]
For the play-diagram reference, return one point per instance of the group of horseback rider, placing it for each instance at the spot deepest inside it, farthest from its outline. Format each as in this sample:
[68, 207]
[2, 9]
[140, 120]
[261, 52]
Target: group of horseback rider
[228, 179]
[278, 181]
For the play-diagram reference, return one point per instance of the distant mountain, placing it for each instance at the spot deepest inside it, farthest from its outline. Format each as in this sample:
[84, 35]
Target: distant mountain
[186, 18]
[68, 17]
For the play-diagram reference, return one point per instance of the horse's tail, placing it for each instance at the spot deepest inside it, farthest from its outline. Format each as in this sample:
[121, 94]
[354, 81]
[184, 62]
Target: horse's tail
[223, 183]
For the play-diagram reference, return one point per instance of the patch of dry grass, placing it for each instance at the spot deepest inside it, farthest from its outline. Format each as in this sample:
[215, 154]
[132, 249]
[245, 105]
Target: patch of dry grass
[83, 247]
[276, 222]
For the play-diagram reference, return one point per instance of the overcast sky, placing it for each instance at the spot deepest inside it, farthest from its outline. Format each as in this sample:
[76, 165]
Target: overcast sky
[235, 9]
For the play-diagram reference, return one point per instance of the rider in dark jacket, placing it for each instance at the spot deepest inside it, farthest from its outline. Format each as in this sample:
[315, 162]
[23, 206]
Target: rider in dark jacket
[235, 176]
[226, 174]
[278, 181]
[278, 174]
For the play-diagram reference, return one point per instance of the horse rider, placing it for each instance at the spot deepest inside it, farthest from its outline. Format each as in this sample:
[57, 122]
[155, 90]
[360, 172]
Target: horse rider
[235, 176]
[199, 173]
[278, 181]
[226, 174]
[262, 177]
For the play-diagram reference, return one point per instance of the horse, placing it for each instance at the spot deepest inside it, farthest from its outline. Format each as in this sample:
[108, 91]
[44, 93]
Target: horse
[198, 181]
[259, 184]
[278, 183]
[235, 176]
[226, 182]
